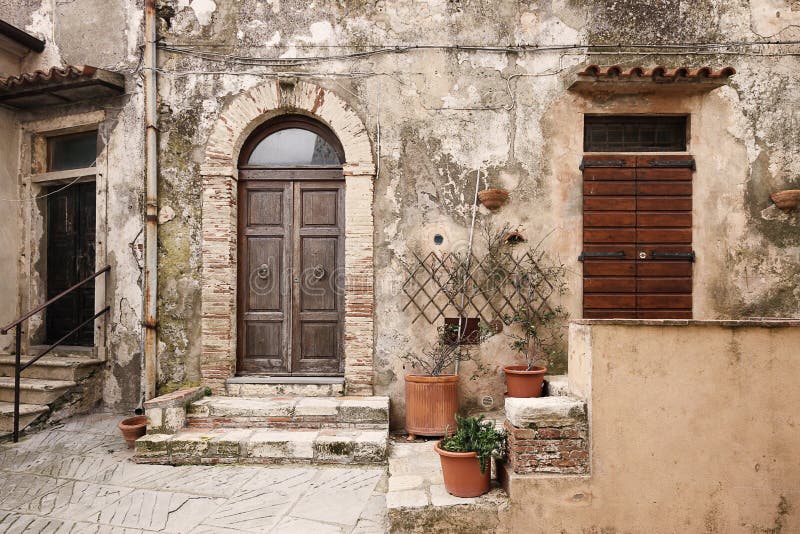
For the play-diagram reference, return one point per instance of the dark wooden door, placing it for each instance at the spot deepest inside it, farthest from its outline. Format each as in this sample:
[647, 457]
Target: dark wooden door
[291, 264]
[70, 259]
[637, 235]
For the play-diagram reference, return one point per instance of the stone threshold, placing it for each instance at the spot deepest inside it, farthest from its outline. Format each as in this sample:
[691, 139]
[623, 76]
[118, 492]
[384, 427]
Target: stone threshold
[286, 380]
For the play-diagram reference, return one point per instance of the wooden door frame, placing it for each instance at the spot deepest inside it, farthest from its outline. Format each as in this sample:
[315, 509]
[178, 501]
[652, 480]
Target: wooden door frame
[291, 175]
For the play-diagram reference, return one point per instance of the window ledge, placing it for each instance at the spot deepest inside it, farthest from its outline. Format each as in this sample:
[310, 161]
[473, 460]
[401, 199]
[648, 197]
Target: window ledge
[61, 176]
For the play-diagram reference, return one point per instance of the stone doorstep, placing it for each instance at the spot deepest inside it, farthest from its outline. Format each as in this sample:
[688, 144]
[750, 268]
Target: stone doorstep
[513, 482]
[34, 390]
[329, 446]
[316, 412]
[69, 367]
[256, 386]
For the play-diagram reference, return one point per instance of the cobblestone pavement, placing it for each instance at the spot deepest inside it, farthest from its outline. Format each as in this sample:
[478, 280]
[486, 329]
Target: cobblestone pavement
[78, 478]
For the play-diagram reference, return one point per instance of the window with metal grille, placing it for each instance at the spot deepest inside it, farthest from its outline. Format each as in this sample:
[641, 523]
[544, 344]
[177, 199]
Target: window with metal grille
[634, 133]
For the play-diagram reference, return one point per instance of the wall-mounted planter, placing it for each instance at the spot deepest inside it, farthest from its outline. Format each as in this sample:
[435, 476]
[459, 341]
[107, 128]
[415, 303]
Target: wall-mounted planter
[493, 198]
[787, 200]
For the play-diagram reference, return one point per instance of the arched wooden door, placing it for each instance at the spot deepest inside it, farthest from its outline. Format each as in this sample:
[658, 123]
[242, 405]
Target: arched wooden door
[291, 251]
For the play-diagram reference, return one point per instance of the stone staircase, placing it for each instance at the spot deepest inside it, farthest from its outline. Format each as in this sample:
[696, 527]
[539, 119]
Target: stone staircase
[64, 383]
[265, 430]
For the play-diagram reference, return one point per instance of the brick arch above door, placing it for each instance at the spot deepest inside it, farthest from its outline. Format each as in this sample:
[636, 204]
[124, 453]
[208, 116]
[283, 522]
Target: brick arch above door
[242, 115]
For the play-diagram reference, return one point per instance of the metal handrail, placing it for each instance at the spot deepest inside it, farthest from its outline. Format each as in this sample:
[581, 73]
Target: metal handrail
[17, 325]
[41, 307]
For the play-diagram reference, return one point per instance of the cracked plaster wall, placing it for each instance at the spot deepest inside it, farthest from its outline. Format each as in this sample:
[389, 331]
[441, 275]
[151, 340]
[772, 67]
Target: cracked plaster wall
[443, 114]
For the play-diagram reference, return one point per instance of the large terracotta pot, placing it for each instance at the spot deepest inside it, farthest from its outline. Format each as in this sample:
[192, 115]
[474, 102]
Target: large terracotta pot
[523, 383]
[133, 428]
[431, 404]
[462, 473]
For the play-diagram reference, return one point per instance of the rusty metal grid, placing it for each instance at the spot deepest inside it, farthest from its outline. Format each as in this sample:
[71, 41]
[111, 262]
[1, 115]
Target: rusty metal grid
[494, 286]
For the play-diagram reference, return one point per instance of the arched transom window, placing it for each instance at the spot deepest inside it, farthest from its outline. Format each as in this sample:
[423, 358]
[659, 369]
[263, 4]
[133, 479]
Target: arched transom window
[292, 142]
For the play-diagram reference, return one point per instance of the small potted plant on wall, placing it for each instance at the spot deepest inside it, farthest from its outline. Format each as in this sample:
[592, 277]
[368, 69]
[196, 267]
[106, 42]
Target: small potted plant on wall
[432, 391]
[467, 454]
[493, 198]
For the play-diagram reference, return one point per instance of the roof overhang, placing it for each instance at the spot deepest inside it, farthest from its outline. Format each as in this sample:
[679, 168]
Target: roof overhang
[18, 42]
[658, 80]
[59, 86]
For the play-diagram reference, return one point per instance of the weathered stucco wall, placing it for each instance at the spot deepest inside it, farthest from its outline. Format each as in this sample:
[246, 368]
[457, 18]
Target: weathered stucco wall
[106, 35]
[443, 113]
[693, 429]
[11, 228]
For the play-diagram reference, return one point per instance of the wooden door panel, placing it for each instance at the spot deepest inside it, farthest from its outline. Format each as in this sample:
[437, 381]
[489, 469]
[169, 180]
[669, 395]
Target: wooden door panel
[318, 298]
[609, 203]
[664, 219]
[609, 235]
[664, 285]
[609, 285]
[609, 218]
[609, 188]
[664, 203]
[663, 302]
[264, 287]
[637, 207]
[664, 188]
[615, 301]
[70, 259]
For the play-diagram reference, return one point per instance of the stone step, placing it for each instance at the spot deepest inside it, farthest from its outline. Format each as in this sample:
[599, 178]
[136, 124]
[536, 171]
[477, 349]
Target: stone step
[70, 367]
[290, 412]
[34, 390]
[264, 446]
[28, 413]
[283, 386]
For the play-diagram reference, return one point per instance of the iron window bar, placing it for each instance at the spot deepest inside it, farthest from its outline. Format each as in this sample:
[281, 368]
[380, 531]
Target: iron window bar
[17, 325]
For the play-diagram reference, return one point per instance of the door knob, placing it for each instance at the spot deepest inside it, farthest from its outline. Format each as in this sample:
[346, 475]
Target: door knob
[642, 255]
[319, 273]
[263, 271]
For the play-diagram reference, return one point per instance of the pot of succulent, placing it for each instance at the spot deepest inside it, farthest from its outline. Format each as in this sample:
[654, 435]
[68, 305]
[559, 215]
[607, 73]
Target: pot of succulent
[432, 388]
[133, 428]
[466, 456]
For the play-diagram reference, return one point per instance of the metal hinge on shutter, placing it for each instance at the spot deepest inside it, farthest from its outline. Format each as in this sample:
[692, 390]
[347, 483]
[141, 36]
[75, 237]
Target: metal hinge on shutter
[616, 254]
[672, 255]
[673, 163]
[602, 163]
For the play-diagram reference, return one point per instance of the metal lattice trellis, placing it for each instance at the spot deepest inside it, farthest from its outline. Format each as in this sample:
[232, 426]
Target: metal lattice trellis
[488, 287]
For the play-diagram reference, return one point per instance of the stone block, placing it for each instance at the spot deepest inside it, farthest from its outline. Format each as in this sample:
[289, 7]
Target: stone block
[153, 445]
[289, 445]
[370, 447]
[334, 447]
[551, 412]
[407, 499]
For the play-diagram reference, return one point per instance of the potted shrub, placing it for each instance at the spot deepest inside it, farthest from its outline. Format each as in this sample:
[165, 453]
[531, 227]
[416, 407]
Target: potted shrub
[536, 329]
[432, 392]
[466, 456]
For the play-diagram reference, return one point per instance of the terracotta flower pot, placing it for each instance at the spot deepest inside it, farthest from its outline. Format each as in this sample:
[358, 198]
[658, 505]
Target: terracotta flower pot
[786, 200]
[523, 383]
[133, 428]
[431, 404]
[462, 473]
[493, 198]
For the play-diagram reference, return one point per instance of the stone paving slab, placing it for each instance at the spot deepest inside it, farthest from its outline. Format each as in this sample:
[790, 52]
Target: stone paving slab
[80, 478]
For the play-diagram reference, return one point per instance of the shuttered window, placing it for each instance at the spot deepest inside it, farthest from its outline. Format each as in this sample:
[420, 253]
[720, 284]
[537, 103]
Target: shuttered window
[634, 133]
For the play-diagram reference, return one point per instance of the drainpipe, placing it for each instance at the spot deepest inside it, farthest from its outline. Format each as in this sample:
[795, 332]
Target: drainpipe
[151, 202]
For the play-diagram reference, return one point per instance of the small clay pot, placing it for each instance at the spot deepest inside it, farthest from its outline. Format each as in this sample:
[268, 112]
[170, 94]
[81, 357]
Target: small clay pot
[431, 404]
[523, 383]
[462, 473]
[493, 198]
[133, 428]
[786, 200]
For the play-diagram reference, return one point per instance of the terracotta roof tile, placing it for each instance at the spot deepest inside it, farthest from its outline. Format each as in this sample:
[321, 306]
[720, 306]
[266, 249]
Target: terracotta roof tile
[659, 71]
[42, 76]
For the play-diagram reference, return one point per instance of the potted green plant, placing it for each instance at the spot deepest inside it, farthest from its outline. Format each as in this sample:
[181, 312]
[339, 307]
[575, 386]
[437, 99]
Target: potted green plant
[466, 456]
[432, 390]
